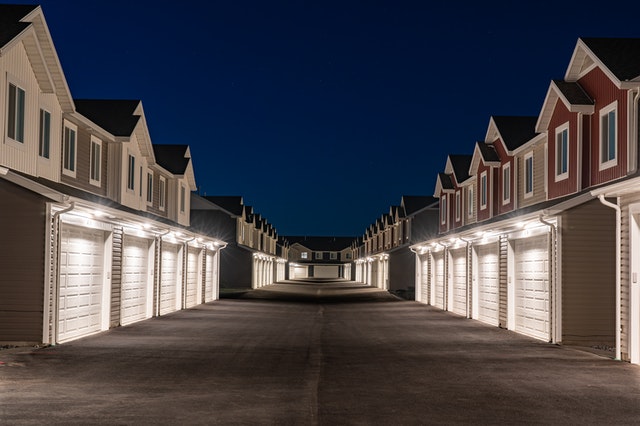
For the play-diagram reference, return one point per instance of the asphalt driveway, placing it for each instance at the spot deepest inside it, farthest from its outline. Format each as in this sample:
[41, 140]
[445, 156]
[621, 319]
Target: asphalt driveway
[367, 358]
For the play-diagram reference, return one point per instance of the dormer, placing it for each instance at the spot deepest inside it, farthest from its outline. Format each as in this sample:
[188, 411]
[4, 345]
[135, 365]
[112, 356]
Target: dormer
[444, 191]
[176, 160]
[484, 163]
[457, 168]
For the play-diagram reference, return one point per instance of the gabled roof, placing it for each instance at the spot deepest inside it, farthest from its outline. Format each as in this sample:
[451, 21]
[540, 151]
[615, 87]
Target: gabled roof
[458, 165]
[443, 184]
[513, 131]
[230, 203]
[412, 204]
[485, 153]
[574, 98]
[322, 243]
[116, 116]
[173, 158]
[619, 58]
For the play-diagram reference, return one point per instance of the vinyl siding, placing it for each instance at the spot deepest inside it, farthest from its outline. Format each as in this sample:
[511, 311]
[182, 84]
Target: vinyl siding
[588, 275]
[83, 164]
[538, 177]
[22, 260]
[116, 277]
[560, 116]
[625, 271]
[503, 282]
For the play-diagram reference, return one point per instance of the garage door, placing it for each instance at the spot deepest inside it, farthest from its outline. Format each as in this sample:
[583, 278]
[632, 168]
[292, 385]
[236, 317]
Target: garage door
[209, 290]
[438, 275]
[169, 300]
[135, 279]
[81, 282]
[425, 280]
[193, 274]
[326, 271]
[488, 284]
[532, 287]
[458, 303]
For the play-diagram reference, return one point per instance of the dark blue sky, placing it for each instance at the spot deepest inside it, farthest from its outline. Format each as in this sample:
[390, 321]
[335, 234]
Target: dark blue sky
[323, 114]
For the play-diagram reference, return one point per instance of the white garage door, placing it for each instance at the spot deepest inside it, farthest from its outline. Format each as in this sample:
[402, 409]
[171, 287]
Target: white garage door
[425, 279]
[458, 303]
[297, 272]
[209, 290]
[488, 284]
[438, 275]
[326, 271]
[135, 279]
[532, 287]
[193, 277]
[169, 283]
[81, 282]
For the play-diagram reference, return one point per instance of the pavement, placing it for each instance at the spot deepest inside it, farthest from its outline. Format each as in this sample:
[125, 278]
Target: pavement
[339, 354]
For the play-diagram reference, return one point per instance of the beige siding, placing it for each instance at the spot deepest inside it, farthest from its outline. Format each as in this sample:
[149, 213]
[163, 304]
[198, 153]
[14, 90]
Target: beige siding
[474, 216]
[83, 164]
[538, 176]
[625, 270]
[588, 275]
[116, 278]
[502, 314]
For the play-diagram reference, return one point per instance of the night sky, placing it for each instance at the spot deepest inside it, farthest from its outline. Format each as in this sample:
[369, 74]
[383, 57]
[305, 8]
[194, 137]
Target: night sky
[323, 114]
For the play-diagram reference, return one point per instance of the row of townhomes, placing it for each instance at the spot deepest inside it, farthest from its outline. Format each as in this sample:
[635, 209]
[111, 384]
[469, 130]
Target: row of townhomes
[95, 219]
[383, 255]
[320, 257]
[539, 227]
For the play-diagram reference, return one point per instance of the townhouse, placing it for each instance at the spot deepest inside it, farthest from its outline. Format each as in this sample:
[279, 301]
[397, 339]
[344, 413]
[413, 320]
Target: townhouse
[383, 257]
[538, 236]
[320, 257]
[94, 224]
[254, 255]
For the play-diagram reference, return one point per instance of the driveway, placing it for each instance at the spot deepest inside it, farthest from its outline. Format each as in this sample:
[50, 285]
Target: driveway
[369, 358]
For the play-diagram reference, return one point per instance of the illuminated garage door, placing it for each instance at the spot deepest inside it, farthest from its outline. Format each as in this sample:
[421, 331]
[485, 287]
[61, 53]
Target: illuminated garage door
[210, 277]
[81, 282]
[532, 287]
[170, 281]
[136, 282]
[193, 277]
[326, 271]
[488, 283]
[297, 272]
[458, 303]
[438, 275]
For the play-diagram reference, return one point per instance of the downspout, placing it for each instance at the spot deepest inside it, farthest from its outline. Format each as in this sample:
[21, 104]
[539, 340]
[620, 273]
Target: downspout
[616, 207]
[159, 280]
[552, 281]
[56, 275]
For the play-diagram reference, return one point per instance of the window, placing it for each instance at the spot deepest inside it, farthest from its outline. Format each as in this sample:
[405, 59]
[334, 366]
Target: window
[443, 209]
[528, 175]
[483, 190]
[95, 162]
[15, 113]
[506, 183]
[69, 148]
[333, 256]
[470, 201]
[458, 206]
[140, 186]
[149, 188]
[348, 255]
[131, 177]
[304, 255]
[44, 137]
[608, 136]
[182, 198]
[318, 255]
[162, 195]
[562, 152]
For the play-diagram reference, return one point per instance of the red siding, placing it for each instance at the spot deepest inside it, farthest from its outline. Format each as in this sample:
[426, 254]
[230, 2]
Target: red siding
[560, 116]
[600, 88]
[486, 213]
[444, 227]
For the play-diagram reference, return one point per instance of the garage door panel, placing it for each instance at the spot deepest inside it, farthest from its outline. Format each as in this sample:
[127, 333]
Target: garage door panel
[438, 288]
[169, 278]
[458, 303]
[488, 283]
[531, 287]
[135, 279]
[192, 277]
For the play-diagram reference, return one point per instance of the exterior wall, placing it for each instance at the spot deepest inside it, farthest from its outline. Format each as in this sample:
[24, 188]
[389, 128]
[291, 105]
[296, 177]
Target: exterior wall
[136, 198]
[402, 264]
[22, 260]
[588, 275]
[444, 227]
[83, 162]
[539, 173]
[486, 213]
[235, 267]
[600, 88]
[626, 271]
[503, 281]
[116, 277]
[561, 115]
[498, 177]
[473, 217]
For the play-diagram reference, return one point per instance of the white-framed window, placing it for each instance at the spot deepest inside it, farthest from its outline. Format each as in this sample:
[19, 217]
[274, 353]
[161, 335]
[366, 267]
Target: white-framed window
[16, 112]
[528, 175]
[150, 188]
[183, 197]
[162, 195]
[333, 255]
[443, 209]
[608, 136]
[69, 149]
[131, 173]
[304, 255]
[95, 163]
[458, 206]
[140, 183]
[44, 134]
[483, 190]
[562, 152]
[506, 183]
[317, 255]
[470, 201]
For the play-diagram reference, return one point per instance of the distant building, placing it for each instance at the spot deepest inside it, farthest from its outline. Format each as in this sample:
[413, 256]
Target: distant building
[320, 257]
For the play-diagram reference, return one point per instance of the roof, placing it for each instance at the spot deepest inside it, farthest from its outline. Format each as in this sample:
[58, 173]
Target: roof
[322, 243]
[414, 203]
[172, 158]
[461, 164]
[620, 55]
[445, 181]
[515, 131]
[573, 92]
[488, 152]
[10, 25]
[116, 116]
[231, 203]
